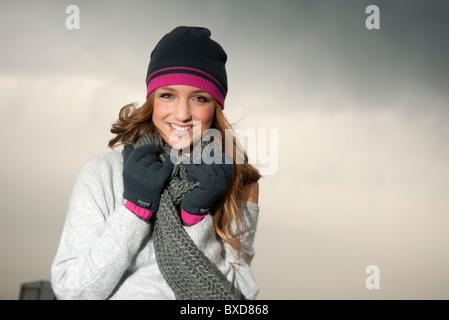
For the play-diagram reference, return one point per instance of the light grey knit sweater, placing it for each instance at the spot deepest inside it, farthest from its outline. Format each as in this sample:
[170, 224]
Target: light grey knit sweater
[107, 252]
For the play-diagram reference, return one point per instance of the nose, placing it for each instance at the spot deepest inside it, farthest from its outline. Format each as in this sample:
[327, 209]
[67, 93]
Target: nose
[182, 110]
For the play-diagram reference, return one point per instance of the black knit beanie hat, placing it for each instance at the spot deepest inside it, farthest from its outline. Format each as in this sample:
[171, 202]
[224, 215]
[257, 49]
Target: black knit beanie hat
[187, 55]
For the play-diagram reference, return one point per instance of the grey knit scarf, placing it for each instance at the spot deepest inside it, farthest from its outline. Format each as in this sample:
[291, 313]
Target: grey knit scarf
[185, 268]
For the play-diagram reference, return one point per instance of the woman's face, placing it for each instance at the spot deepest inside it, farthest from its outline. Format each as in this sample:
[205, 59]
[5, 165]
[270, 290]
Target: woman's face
[182, 113]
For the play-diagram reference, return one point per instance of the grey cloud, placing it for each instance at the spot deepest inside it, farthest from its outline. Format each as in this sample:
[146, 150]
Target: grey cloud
[293, 65]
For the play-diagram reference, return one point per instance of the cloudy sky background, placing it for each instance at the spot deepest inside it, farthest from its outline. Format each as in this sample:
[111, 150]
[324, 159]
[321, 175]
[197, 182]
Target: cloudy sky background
[362, 117]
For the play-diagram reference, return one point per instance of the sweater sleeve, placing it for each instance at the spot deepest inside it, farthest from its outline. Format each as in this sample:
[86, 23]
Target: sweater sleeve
[100, 236]
[237, 271]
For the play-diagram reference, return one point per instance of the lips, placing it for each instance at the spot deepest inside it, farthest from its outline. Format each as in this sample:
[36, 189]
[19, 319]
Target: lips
[180, 130]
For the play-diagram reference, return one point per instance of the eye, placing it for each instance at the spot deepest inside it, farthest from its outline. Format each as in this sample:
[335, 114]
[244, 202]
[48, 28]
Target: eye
[166, 95]
[201, 99]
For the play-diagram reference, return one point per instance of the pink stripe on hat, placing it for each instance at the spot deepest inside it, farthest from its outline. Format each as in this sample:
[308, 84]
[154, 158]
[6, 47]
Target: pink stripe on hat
[186, 79]
[187, 68]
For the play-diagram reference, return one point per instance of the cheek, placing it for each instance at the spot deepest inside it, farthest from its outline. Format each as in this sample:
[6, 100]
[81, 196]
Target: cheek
[159, 114]
[206, 116]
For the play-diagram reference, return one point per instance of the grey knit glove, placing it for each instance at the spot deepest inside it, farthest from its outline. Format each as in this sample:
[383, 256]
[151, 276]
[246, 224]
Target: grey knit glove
[214, 180]
[144, 175]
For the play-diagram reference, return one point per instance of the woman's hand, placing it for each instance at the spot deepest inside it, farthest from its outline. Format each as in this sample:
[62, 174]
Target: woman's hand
[214, 180]
[144, 176]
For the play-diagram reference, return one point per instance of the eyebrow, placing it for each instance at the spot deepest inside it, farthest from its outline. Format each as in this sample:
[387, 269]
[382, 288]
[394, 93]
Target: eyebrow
[171, 89]
[200, 91]
[167, 88]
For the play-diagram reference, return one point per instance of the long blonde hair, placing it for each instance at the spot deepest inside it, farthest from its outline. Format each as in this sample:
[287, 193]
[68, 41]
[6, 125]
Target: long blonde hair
[135, 121]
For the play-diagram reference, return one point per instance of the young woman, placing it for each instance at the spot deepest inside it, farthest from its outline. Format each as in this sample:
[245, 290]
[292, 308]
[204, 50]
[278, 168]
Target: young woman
[141, 225]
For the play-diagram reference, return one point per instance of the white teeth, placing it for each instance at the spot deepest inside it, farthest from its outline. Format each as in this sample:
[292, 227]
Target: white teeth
[174, 126]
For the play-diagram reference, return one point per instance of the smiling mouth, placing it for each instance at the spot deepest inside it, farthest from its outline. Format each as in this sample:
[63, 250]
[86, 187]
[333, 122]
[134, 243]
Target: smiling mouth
[181, 128]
